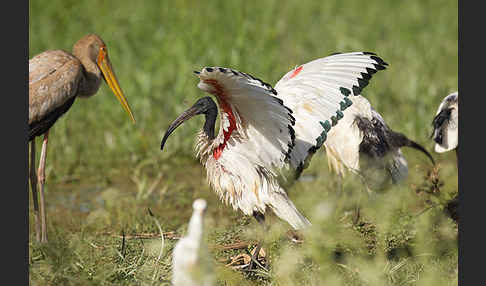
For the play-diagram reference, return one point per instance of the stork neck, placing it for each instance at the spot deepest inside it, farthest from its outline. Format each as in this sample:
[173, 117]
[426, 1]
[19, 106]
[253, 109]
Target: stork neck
[91, 81]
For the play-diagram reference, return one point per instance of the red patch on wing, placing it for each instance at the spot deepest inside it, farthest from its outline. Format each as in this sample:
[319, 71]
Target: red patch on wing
[220, 96]
[296, 71]
[227, 134]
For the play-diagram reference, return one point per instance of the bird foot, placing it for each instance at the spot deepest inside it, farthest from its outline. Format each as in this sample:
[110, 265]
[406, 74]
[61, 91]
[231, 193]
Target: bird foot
[256, 258]
[246, 262]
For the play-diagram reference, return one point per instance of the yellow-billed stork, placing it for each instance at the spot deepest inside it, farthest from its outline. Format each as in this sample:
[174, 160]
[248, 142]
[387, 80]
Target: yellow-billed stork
[56, 79]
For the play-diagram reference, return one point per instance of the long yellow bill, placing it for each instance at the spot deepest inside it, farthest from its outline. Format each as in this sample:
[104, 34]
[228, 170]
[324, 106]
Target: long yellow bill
[111, 80]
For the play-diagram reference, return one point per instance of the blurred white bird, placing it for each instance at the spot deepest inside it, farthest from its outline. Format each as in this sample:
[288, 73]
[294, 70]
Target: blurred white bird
[446, 124]
[363, 144]
[190, 263]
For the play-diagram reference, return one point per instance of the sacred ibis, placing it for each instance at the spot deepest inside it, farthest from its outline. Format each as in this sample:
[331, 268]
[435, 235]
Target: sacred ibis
[363, 144]
[446, 138]
[446, 124]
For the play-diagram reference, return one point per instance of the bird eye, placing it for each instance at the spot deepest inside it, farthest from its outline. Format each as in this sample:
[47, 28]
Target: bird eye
[101, 54]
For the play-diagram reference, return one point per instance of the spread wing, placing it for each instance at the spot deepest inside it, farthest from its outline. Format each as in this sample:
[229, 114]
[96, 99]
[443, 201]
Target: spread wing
[53, 82]
[446, 124]
[318, 92]
[255, 125]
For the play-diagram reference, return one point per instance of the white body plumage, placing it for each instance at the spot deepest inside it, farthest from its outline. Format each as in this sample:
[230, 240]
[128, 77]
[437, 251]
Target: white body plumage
[446, 124]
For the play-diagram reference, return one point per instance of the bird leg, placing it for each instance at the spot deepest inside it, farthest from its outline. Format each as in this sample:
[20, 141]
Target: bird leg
[357, 212]
[41, 175]
[33, 186]
[340, 185]
[254, 257]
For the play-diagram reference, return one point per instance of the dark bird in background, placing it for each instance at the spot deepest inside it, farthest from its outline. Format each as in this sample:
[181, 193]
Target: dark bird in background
[56, 79]
[364, 144]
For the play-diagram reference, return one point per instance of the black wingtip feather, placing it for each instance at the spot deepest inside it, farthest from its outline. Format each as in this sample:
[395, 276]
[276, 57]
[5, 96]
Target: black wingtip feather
[362, 83]
[365, 76]
[371, 71]
[379, 60]
[379, 67]
[280, 101]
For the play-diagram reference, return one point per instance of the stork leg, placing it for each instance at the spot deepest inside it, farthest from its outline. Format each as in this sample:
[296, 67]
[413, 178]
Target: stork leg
[33, 187]
[41, 175]
[254, 257]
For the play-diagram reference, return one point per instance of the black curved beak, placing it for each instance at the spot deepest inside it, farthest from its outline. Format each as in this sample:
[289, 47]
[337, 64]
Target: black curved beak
[420, 148]
[186, 115]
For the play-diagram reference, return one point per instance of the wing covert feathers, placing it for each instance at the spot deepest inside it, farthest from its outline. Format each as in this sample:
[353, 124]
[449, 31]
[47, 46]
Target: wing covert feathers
[53, 80]
[264, 124]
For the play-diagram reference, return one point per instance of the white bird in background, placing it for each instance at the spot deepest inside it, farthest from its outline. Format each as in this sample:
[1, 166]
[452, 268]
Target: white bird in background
[363, 144]
[266, 132]
[445, 136]
[188, 265]
[446, 124]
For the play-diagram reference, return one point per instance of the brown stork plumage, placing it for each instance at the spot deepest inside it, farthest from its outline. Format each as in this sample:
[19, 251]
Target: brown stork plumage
[56, 79]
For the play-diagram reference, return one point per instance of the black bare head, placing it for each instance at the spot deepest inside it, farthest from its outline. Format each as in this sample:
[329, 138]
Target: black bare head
[205, 106]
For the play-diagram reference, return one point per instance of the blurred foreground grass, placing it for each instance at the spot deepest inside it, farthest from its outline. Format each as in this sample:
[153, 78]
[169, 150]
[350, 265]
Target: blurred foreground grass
[104, 172]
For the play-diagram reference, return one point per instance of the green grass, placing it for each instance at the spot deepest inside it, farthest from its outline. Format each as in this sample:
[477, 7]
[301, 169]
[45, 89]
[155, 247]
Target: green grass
[103, 172]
